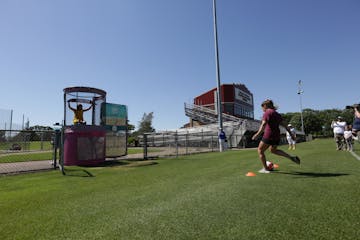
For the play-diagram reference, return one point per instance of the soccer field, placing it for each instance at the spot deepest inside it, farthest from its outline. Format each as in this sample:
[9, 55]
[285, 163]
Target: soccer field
[203, 196]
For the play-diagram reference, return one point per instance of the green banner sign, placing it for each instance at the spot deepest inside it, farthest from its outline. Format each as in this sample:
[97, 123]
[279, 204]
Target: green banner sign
[114, 118]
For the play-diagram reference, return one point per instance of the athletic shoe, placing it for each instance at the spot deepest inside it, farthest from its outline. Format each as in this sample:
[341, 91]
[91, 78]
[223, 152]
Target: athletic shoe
[295, 159]
[263, 170]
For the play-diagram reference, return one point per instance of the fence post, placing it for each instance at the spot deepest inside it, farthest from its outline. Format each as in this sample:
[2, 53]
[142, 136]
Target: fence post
[230, 141]
[61, 150]
[176, 144]
[42, 141]
[55, 147]
[212, 143]
[186, 142]
[145, 146]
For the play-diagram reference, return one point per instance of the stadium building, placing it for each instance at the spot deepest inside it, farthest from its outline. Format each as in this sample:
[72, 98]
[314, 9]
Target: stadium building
[236, 100]
[239, 125]
[237, 107]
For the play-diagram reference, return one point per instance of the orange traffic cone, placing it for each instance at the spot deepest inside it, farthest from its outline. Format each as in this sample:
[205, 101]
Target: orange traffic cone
[276, 166]
[250, 174]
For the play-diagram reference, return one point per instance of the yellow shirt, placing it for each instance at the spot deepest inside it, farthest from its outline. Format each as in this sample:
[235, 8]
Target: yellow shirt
[78, 116]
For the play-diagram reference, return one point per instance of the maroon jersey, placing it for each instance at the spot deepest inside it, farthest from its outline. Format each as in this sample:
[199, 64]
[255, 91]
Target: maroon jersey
[273, 120]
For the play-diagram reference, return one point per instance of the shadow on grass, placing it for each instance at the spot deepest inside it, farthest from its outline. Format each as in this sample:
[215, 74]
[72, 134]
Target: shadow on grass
[128, 163]
[313, 174]
[78, 173]
[81, 172]
[113, 163]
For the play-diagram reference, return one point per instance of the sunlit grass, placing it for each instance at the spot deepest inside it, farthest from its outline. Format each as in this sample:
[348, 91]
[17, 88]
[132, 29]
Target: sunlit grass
[26, 156]
[203, 196]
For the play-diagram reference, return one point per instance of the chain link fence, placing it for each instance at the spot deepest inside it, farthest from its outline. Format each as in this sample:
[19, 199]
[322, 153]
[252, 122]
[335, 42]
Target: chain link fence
[5, 118]
[184, 143]
[26, 150]
[174, 144]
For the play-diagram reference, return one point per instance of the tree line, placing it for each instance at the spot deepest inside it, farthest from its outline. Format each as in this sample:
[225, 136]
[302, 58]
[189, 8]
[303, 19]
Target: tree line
[34, 133]
[318, 122]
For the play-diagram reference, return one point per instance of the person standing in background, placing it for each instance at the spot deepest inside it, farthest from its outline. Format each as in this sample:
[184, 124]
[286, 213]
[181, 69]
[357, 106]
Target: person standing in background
[348, 138]
[338, 127]
[291, 141]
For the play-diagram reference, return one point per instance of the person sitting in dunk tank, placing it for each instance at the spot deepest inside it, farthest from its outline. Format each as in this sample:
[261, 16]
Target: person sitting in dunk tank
[79, 113]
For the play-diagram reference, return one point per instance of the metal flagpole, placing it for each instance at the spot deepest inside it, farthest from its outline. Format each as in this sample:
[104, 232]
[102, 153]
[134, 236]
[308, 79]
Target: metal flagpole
[219, 109]
[300, 92]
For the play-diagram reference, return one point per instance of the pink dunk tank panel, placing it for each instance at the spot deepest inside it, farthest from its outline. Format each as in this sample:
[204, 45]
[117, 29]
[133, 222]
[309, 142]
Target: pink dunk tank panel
[84, 145]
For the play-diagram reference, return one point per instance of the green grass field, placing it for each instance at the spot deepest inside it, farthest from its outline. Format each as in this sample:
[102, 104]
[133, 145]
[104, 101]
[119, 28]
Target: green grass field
[31, 145]
[27, 156]
[35, 151]
[203, 196]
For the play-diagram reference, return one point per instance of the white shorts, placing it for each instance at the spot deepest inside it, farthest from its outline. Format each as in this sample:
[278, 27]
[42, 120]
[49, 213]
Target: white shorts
[291, 141]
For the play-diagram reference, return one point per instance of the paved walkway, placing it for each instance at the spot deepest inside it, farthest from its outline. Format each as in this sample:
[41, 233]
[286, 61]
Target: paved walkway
[18, 167]
[30, 166]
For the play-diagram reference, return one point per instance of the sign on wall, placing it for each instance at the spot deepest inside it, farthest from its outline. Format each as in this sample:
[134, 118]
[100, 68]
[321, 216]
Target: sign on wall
[243, 96]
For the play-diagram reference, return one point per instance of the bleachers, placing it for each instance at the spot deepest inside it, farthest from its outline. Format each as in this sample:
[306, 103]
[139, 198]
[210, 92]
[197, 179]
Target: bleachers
[237, 130]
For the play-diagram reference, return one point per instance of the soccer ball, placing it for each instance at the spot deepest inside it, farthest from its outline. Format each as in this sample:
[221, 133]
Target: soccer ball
[270, 165]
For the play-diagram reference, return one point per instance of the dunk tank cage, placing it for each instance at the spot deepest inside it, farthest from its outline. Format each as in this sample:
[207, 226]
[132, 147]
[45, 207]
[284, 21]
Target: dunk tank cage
[83, 142]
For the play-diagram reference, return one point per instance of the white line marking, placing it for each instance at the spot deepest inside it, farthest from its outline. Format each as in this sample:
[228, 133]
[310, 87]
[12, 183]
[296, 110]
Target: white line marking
[355, 155]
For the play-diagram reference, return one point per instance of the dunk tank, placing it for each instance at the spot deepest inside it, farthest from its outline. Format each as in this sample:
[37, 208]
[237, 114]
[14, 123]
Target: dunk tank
[93, 130]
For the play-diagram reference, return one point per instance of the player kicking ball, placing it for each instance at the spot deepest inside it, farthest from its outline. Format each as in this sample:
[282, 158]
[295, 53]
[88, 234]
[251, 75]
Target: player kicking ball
[270, 123]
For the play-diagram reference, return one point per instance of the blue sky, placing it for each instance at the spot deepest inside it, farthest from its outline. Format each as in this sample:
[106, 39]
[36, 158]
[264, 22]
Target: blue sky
[154, 55]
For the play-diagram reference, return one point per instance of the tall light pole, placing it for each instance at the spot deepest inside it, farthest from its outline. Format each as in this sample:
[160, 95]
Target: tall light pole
[218, 97]
[300, 92]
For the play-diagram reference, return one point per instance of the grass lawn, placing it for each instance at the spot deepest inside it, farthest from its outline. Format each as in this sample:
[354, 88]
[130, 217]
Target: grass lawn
[35, 151]
[133, 150]
[27, 156]
[204, 196]
[31, 145]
